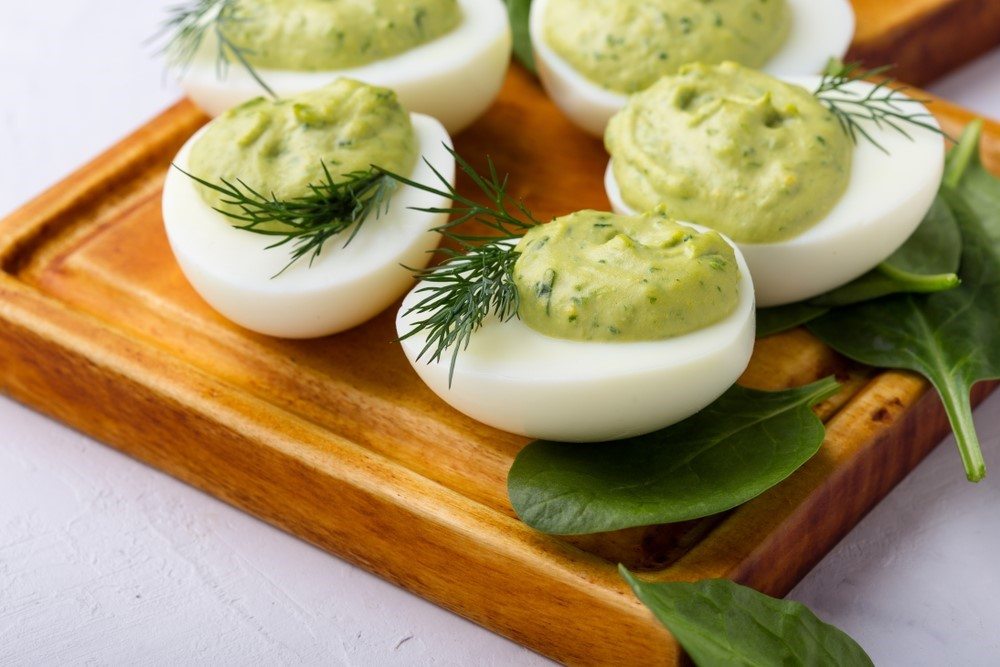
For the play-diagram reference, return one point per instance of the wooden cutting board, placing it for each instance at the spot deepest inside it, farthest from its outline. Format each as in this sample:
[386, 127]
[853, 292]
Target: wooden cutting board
[924, 39]
[338, 442]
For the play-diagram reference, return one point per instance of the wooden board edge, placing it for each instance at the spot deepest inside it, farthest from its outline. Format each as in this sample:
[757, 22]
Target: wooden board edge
[109, 401]
[49, 214]
[100, 383]
[812, 531]
[934, 42]
[39, 386]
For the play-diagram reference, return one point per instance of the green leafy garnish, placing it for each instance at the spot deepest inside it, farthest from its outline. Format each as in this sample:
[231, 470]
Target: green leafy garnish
[886, 104]
[186, 28]
[474, 281]
[782, 318]
[331, 208]
[953, 337]
[477, 279]
[735, 449]
[720, 623]
[519, 11]
[926, 263]
[459, 294]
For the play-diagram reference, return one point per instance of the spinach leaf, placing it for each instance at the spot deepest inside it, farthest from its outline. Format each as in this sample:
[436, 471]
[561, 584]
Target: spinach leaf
[958, 159]
[735, 449]
[926, 263]
[782, 318]
[720, 623]
[519, 11]
[883, 280]
[953, 337]
[934, 248]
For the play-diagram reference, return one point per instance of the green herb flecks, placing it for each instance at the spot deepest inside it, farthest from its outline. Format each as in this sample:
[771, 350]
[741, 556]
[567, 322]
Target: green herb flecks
[476, 280]
[735, 449]
[332, 208]
[886, 104]
[720, 623]
[187, 26]
[952, 337]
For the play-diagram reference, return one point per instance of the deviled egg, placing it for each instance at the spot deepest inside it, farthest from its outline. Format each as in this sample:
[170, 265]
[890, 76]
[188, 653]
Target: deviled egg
[625, 324]
[592, 54]
[444, 58]
[768, 164]
[281, 150]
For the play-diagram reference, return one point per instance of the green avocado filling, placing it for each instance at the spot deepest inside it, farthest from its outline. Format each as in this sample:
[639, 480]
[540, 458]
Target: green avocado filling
[597, 276]
[733, 149]
[315, 35]
[627, 45]
[279, 147]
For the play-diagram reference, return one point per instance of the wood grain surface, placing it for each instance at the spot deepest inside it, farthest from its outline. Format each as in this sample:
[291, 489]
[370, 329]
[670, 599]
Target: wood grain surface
[924, 39]
[337, 441]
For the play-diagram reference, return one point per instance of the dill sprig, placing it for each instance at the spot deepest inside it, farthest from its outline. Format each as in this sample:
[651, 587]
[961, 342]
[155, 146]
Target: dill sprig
[475, 280]
[332, 208]
[505, 215]
[185, 30]
[459, 294]
[885, 104]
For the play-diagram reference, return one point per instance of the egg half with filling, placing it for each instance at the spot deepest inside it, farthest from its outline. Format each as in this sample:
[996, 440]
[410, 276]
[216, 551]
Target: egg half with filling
[444, 58]
[592, 54]
[769, 165]
[282, 148]
[624, 325]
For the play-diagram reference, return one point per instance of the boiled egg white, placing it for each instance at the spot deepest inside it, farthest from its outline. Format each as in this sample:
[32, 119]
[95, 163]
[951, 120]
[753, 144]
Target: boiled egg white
[525, 382]
[453, 78]
[887, 196]
[235, 272]
[820, 29]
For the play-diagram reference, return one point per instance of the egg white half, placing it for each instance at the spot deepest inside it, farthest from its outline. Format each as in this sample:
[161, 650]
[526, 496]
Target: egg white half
[522, 381]
[820, 29]
[453, 78]
[232, 269]
[887, 196]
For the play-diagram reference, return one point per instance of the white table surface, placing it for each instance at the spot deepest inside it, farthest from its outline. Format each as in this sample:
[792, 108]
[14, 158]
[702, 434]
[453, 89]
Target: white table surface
[106, 561]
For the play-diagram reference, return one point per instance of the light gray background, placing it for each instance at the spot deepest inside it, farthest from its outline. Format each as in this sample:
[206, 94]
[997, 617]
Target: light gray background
[103, 560]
